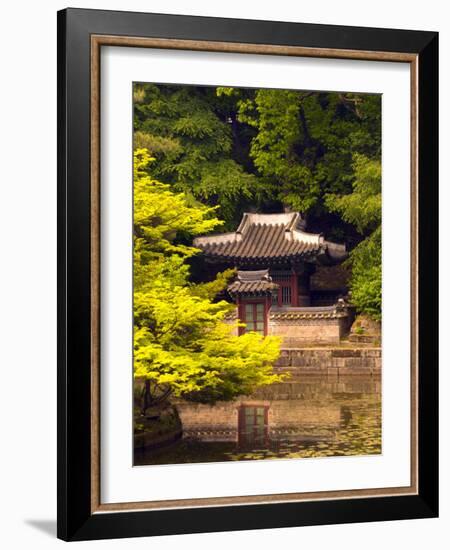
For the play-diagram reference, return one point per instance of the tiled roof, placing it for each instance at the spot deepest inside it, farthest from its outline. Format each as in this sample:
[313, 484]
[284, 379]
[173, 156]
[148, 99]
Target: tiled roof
[293, 314]
[252, 282]
[268, 237]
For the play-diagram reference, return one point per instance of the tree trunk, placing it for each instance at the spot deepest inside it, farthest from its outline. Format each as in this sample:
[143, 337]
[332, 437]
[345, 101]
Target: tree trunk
[152, 400]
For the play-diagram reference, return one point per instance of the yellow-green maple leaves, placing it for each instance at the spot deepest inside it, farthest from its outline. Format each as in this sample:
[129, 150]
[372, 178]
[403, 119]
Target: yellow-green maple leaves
[182, 340]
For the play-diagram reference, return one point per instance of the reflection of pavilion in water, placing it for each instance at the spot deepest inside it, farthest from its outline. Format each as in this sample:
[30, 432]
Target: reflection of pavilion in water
[308, 409]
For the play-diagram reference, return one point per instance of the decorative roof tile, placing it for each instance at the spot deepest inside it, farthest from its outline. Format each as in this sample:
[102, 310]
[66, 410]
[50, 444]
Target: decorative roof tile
[289, 314]
[269, 237]
[252, 282]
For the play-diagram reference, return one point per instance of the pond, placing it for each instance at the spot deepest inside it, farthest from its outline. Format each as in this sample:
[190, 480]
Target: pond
[305, 417]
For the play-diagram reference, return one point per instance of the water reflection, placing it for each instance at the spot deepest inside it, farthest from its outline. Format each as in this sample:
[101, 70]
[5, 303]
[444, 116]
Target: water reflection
[308, 416]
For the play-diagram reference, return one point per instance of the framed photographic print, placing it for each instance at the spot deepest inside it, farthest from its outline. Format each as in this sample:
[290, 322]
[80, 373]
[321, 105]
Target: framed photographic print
[247, 274]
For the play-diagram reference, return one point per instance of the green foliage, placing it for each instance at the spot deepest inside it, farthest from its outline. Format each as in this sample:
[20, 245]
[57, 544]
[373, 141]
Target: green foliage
[305, 141]
[182, 344]
[160, 214]
[187, 129]
[212, 288]
[156, 145]
[366, 280]
[362, 208]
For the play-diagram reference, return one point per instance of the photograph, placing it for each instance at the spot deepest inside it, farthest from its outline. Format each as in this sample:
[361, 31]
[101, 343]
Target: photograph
[257, 274]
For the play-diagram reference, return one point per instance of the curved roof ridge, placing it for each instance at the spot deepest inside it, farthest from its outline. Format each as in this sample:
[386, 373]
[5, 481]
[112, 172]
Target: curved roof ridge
[281, 218]
[270, 237]
[218, 238]
[314, 238]
[252, 274]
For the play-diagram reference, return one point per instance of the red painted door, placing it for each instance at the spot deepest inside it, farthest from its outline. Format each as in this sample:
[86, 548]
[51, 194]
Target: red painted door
[253, 317]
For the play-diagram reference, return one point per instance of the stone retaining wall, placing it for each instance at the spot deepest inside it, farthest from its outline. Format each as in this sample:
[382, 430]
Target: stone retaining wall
[307, 331]
[331, 361]
[297, 327]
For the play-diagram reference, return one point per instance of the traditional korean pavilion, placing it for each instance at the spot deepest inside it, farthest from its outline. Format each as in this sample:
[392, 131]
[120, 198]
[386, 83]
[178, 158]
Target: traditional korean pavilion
[275, 258]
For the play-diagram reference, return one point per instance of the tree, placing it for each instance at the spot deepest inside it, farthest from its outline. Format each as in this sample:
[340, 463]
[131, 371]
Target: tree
[183, 345]
[191, 134]
[362, 208]
[305, 140]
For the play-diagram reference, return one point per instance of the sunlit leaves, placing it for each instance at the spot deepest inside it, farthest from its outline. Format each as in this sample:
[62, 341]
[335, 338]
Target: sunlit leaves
[362, 208]
[182, 340]
[305, 140]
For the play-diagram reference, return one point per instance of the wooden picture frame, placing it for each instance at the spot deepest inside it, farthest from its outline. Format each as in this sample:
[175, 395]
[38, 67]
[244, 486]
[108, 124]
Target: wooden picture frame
[81, 35]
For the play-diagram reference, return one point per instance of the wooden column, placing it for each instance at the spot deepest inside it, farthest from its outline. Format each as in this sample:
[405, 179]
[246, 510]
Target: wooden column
[294, 289]
[240, 314]
[267, 306]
